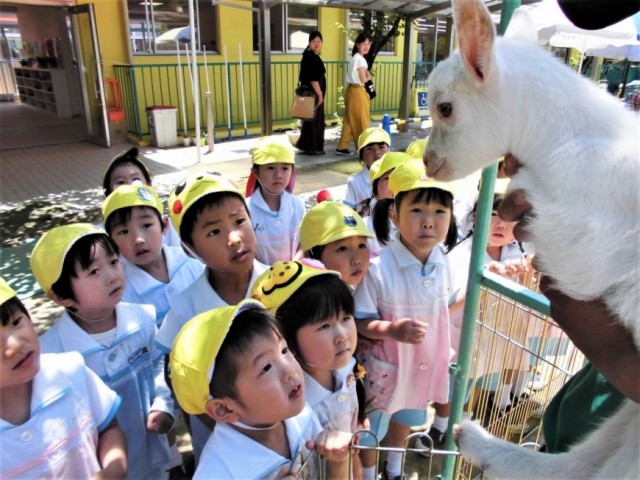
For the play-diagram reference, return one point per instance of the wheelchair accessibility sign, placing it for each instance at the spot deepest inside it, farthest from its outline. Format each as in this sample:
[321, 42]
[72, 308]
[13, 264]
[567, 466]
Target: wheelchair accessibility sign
[420, 102]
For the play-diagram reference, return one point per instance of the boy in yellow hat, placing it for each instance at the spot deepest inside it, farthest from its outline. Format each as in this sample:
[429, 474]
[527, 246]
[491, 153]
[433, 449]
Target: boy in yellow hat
[275, 212]
[155, 273]
[403, 304]
[372, 144]
[233, 365]
[336, 235]
[77, 266]
[57, 418]
[209, 212]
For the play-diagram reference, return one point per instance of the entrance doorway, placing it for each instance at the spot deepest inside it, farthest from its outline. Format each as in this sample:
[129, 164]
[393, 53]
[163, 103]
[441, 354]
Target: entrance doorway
[44, 99]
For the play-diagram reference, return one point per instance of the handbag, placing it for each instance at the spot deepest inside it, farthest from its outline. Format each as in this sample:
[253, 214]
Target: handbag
[371, 89]
[304, 103]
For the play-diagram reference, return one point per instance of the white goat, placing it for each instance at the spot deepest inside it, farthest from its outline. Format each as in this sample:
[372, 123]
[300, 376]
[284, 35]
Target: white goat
[580, 156]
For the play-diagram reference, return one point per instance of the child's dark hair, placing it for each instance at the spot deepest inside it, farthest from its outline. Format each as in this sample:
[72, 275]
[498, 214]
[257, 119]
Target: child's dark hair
[123, 215]
[362, 36]
[130, 156]
[316, 252]
[249, 325]
[8, 308]
[364, 208]
[83, 252]
[427, 195]
[328, 294]
[211, 200]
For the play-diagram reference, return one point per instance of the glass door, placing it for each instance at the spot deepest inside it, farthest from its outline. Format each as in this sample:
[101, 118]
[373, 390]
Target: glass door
[87, 55]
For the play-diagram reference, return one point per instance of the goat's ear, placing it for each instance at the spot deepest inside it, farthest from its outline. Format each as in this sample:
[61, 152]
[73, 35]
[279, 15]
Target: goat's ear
[476, 36]
[521, 27]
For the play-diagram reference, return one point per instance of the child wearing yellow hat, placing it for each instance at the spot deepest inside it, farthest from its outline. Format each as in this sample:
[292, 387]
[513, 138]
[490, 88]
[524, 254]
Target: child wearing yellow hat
[77, 266]
[155, 273]
[314, 309]
[275, 212]
[127, 168]
[402, 303]
[233, 365]
[75, 436]
[372, 144]
[209, 212]
[336, 235]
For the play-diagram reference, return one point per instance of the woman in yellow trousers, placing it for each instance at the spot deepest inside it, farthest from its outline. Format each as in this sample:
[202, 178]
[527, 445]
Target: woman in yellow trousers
[357, 102]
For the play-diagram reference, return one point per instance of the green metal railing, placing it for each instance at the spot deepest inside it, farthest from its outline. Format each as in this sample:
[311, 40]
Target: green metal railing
[150, 85]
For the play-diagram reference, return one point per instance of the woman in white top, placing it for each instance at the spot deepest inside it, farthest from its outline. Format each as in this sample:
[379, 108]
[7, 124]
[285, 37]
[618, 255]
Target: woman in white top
[356, 99]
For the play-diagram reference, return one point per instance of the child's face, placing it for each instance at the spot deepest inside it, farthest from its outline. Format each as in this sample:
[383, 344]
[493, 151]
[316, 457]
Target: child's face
[274, 177]
[383, 186]
[373, 152]
[126, 174]
[20, 360]
[99, 287]
[349, 256]
[329, 344]
[270, 384]
[140, 239]
[422, 225]
[223, 237]
[500, 232]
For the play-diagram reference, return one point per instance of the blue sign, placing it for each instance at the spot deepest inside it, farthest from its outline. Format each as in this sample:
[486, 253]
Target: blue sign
[422, 100]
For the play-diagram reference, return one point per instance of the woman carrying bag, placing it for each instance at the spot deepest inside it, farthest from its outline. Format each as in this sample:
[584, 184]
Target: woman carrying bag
[357, 102]
[312, 75]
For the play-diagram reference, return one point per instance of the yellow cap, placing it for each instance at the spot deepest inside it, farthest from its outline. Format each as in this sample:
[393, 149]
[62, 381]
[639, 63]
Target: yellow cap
[131, 196]
[412, 175]
[373, 135]
[49, 253]
[276, 285]
[6, 292]
[193, 188]
[416, 148]
[329, 221]
[273, 149]
[388, 161]
[194, 353]
[128, 156]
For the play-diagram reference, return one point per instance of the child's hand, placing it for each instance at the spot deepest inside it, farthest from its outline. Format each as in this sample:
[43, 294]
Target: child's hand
[159, 422]
[331, 444]
[408, 331]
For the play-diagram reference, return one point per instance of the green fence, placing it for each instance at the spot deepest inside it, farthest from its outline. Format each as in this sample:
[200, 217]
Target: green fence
[149, 85]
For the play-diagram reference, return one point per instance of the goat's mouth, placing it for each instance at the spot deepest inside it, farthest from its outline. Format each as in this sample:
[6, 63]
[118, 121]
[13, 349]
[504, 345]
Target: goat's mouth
[438, 169]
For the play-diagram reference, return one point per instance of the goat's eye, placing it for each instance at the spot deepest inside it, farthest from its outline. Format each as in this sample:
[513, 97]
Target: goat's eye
[445, 109]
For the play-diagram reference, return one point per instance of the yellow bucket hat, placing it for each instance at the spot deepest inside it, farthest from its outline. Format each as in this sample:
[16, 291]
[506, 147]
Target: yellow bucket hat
[193, 188]
[47, 257]
[194, 353]
[276, 285]
[416, 148]
[412, 175]
[6, 292]
[388, 161]
[329, 221]
[273, 149]
[131, 196]
[373, 135]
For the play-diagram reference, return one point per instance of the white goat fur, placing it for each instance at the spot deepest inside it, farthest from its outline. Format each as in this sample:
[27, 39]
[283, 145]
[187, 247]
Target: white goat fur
[580, 155]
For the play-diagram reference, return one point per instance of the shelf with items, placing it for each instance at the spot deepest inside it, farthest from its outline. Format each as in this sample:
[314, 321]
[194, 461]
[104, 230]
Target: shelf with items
[44, 88]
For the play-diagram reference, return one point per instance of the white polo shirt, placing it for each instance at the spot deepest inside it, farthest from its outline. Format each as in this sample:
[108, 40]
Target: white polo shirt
[401, 375]
[134, 368]
[142, 288]
[70, 407]
[277, 233]
[359, 188]
[337, 410]
[231, 454]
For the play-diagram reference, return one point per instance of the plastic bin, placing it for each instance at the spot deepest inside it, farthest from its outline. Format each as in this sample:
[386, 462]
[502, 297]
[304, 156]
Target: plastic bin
[163, 125]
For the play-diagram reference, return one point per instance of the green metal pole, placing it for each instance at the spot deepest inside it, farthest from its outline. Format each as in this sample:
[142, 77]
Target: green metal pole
[472, 300]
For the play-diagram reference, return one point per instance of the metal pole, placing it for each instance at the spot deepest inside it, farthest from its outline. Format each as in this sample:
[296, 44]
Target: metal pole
[472, 300]
[226, 69]
[210, 134]
[244, 107]
[183, 104]
[194, 76]
[265, 67]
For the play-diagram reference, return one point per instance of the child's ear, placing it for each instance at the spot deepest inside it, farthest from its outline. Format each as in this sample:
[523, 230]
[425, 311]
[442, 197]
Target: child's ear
[393, 214]
[165, 224]
[222, 410]
[63, 302]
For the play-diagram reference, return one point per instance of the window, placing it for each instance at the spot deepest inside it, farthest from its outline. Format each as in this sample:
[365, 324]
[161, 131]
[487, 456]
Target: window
[290, 27]
[355, 25]
[155, 25]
